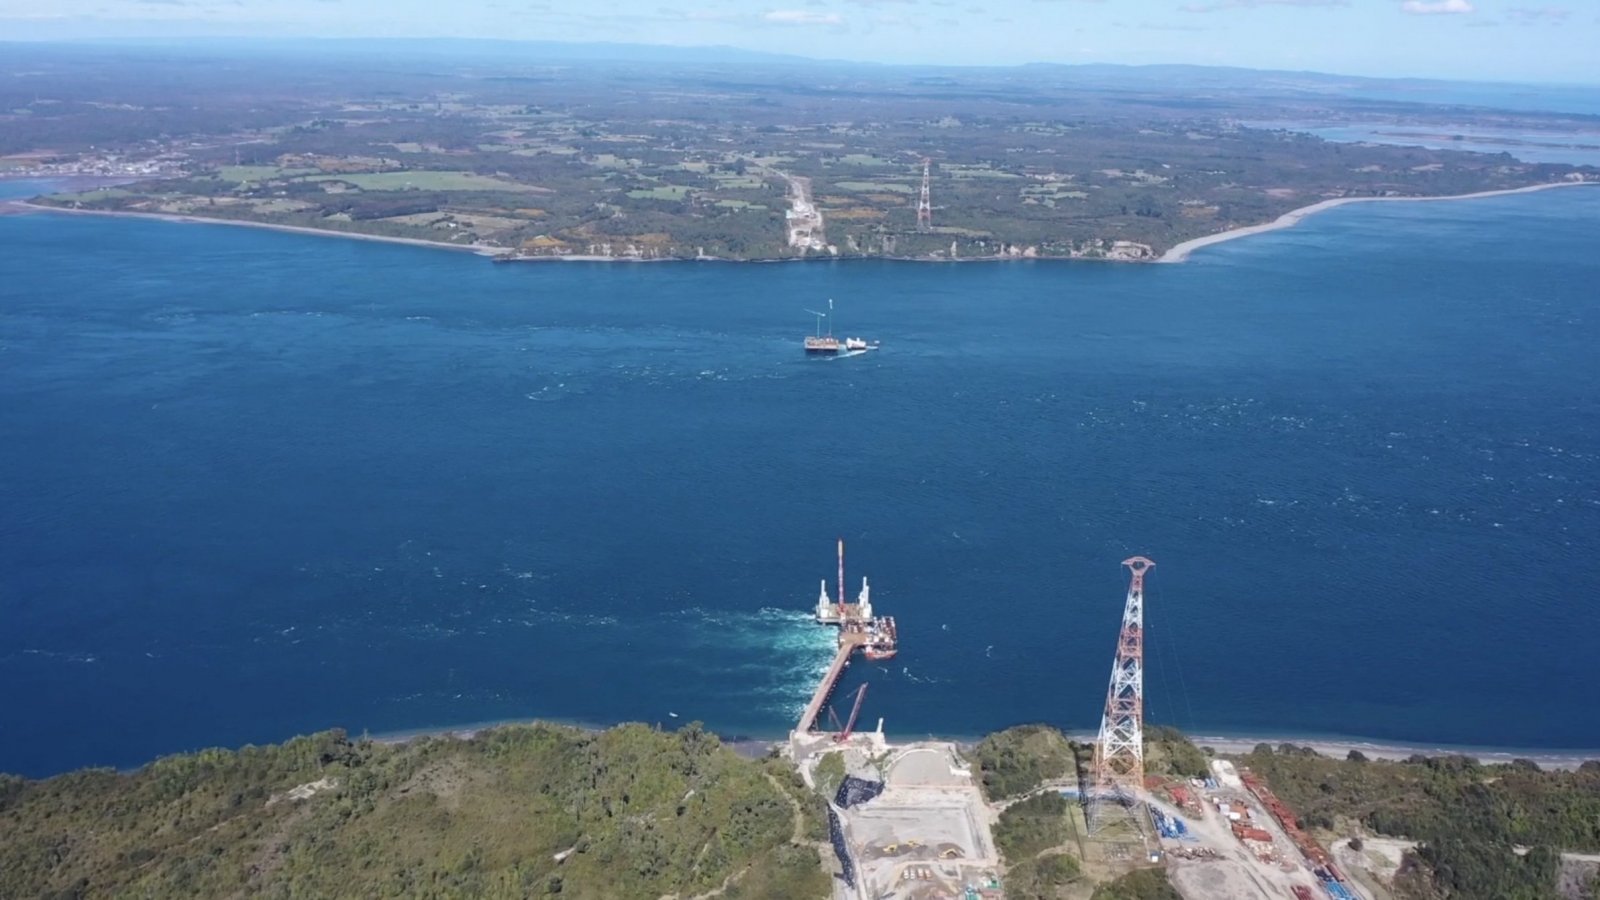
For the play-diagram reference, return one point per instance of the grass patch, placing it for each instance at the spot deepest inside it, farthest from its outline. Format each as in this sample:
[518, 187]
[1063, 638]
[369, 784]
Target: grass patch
[975, 172]
[92, 196]
[426, 180]
[242, 173]
[866, 187]
[611, 161]
[864, 159]
[662, 192]
[738, 182]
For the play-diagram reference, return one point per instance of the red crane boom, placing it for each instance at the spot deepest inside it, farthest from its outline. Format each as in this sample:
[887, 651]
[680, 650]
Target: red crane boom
[849, 726]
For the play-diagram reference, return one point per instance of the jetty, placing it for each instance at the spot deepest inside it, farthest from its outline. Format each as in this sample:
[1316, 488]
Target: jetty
[874, 636]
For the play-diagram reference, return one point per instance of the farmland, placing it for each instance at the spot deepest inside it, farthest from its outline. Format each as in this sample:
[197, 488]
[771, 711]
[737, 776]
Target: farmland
[626, 160]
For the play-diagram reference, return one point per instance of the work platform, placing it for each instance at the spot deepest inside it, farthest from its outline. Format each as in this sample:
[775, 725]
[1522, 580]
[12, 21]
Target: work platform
[859, 629]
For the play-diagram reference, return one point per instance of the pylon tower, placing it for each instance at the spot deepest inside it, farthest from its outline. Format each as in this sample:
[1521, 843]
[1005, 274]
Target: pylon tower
[1118, 770]
[924, 202]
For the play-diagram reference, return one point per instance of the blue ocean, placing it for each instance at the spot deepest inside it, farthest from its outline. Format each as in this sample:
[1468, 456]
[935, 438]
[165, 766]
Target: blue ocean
[254, 484]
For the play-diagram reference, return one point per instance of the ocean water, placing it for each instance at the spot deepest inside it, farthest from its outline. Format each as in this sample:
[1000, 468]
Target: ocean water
[1573, 147]
[254, 484]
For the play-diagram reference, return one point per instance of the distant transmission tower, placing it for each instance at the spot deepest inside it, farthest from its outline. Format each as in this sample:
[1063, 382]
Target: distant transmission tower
[1119, 753]
[924, 204]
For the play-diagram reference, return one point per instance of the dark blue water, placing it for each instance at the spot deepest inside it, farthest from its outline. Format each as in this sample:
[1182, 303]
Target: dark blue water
[255, 484]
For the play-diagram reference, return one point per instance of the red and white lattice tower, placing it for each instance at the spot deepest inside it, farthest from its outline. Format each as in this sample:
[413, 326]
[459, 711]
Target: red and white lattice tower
[1118, 772]
[924, 202]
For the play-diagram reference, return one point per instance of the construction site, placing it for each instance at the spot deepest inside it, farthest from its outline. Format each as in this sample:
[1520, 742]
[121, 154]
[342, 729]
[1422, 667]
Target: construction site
[911, 822]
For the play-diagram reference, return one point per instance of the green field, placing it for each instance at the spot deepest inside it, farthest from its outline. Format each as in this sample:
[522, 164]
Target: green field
[258, 173]
[425, 181]
[664, 192]
[975, 172]
[864, 159]
[92, 196]
[738, 182]
[873, 187]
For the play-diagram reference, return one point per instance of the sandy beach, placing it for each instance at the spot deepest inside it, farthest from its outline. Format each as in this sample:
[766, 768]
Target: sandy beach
[1290, 219]
[295, 229]
[1177, 254]
[1340, 748]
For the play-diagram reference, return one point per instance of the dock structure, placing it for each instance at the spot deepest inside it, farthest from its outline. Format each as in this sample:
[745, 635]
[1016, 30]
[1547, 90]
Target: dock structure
[830, 680]
[859, 629]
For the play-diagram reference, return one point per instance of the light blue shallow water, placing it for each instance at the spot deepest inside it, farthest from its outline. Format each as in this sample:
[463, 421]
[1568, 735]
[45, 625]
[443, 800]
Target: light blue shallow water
[255, 484]
[1577, 148]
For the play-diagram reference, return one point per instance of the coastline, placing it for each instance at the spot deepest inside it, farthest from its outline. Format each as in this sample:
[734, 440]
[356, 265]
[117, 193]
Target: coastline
[1292, 218]
[292, 229]
[1338, 748]
[1177, 254]
[1333, 747]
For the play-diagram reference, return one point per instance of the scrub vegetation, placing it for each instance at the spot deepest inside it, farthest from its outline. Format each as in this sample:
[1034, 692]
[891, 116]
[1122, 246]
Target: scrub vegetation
[518, 811]
[1493, 832]
[1016, 761]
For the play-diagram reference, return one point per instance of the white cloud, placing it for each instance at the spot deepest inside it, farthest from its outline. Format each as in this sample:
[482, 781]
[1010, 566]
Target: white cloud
[1437, 7]
[802, 17]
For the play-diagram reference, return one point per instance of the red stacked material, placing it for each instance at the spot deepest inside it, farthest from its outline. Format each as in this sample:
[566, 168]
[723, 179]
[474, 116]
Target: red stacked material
[1180, 795]
[1286, 817]
[1250, 833]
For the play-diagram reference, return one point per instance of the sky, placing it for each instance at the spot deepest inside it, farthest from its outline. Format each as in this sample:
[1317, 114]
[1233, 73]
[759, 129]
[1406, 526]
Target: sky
[1498, 40]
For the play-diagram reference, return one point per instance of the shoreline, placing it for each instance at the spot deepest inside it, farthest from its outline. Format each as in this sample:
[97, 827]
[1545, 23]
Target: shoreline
[1177, 254]
[1333, 747]
[1339, 747]
[478, 250]
[1182, 251]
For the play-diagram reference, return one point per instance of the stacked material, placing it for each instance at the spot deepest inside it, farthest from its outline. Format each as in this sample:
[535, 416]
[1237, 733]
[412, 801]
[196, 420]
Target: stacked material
[855, 790]
[836, 837]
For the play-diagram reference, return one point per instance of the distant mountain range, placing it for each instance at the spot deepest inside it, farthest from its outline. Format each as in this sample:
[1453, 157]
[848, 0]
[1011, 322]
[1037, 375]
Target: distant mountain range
[1572, 99]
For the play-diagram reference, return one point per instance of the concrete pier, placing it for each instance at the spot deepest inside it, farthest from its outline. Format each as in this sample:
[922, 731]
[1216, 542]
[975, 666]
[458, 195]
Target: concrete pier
[848, 643]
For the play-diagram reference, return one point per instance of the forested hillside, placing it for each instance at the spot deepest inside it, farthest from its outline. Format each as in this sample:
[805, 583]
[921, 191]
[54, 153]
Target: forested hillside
[1493, 832]
[521, 811]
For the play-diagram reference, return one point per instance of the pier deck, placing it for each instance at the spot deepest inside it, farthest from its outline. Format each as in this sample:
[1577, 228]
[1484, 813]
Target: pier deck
[848, 642]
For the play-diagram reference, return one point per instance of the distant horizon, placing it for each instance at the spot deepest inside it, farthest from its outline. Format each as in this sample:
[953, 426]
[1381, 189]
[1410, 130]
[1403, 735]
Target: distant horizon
[1510, 41]
[702, 53]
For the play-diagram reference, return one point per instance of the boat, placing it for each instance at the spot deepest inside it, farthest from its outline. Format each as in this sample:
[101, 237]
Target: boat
[882, 640]
[827, 343]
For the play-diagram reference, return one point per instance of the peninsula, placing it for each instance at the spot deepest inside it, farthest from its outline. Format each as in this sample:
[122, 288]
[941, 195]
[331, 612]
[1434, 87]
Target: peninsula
[517, 158]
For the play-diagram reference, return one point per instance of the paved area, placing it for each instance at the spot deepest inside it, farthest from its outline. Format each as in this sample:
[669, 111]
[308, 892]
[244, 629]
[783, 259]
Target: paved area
[927, 836]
